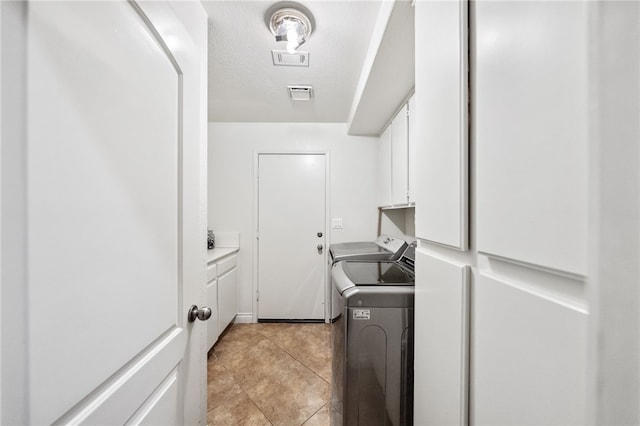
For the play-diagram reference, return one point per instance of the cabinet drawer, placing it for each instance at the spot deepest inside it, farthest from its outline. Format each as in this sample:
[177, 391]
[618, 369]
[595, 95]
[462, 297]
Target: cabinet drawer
[227, 264]
[211, 272]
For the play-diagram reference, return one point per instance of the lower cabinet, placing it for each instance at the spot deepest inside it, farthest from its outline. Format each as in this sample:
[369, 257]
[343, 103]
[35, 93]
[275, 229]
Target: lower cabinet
[213, 330]
[441, 341]
[529, 353]
[222, 295]
[227, 297]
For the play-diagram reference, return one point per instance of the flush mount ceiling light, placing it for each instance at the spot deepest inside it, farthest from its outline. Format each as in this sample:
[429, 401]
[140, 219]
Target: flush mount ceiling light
[292, 25]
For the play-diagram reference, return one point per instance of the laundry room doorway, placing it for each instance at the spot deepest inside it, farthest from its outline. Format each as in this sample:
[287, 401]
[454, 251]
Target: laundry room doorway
[291, 236]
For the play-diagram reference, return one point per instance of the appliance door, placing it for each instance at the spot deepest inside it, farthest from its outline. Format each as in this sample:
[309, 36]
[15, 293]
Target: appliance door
[378, 389]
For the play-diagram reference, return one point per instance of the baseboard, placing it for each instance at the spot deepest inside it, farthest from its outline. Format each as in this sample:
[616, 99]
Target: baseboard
[246, 318]
[293, 321]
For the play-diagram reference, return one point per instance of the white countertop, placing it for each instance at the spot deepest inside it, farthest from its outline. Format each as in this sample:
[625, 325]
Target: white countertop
[220, 252]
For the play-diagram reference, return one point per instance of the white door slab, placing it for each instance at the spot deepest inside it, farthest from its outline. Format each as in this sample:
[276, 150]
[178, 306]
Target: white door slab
[112, 241]
[291, 214]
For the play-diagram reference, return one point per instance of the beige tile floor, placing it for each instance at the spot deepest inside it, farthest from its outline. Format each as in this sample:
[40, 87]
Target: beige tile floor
[270, 374]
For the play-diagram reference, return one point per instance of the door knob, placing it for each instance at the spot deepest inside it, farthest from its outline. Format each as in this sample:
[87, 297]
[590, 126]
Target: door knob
[320, 247]
[202, 314]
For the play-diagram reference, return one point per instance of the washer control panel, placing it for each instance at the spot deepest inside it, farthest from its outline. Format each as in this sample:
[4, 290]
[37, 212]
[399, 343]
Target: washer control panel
[392, 244]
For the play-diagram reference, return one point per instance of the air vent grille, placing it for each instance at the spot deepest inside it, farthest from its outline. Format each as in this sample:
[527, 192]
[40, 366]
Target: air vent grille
[283, 58]
[300, 93]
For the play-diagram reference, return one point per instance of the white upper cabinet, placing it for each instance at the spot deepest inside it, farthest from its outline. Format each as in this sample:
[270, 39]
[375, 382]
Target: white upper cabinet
[384, 168]
[531, 109]
[412, 151]
[399, 157]
[393, 161]
[440, 124]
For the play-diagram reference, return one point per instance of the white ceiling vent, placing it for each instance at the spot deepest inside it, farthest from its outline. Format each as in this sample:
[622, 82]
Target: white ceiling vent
[285, 59]
[300, 93]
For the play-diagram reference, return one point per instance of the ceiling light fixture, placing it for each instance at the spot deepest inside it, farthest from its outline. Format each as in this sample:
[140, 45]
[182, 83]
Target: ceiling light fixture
[291, 25]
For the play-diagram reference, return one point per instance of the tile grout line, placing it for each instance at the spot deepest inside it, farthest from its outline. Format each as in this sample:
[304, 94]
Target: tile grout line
[307, 368]
[310, 370]
[284, 368]
[242, 388]
[254, 402]
[251, 400]
[317, 411]
[289, 353]
[296, 358]
[226, 399]
[245, 390]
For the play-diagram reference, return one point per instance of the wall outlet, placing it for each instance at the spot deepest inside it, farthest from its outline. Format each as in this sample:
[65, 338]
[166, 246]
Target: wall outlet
[336, 223]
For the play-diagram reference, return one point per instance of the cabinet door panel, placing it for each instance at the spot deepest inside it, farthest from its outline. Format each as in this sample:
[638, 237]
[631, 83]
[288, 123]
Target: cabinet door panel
[212, 323]
[441, 344]
[227, 298]
[531, 110]
[441, 122]
[412, 150]
[399, 157]
[529, 357]
[384, 168]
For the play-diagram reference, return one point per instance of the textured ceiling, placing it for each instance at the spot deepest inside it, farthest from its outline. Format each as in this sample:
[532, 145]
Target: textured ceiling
[244, 85]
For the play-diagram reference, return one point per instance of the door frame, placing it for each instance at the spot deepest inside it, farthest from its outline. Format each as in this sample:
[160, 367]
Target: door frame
[254, 234]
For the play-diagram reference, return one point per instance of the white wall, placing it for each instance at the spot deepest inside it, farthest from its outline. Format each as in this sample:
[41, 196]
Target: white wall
[399, 223]
[232, 149]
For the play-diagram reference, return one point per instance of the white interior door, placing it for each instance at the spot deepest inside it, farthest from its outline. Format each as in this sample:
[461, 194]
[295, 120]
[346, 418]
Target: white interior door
[106, 245]
[291, 236]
